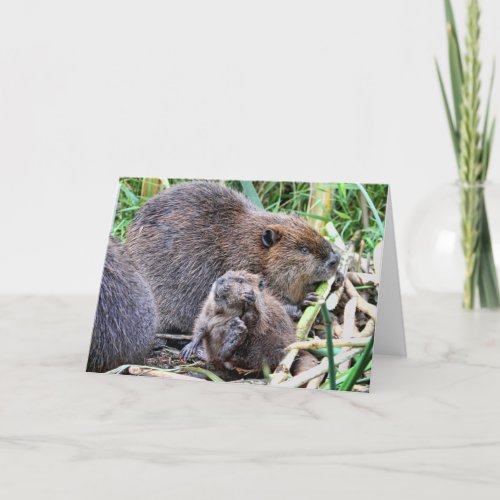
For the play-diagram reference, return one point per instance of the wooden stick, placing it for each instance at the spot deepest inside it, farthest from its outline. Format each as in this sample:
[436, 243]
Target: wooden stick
[283, 370]
[314, 383]
[173, 336]
[361, 248]
[316, 371]
[362, 279]
[152, 372]
[360, 388]
[368, 330]
[321, 343]
[337, 329]
[362, 305]
[349, 317]
[333, 300]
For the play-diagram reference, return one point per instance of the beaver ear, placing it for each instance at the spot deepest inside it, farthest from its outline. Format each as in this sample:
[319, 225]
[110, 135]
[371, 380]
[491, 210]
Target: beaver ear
[262, 284]
[270, 237]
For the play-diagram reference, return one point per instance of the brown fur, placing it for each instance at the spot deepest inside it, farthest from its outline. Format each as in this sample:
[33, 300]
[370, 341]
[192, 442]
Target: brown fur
[125, 320]
[185, 237]
[243, 325]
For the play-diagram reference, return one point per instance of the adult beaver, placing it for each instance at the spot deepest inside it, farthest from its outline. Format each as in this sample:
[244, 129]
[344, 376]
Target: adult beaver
[125, 320]
[243, 325]
[188, 235]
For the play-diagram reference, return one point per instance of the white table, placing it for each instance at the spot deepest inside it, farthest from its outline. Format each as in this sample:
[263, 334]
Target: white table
[429, 429]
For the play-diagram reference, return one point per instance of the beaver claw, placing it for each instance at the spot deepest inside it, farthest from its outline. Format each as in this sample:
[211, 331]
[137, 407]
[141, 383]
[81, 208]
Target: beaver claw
[339, 280]
[237, 325]
[293, 311]
[188, 350]
[311, 299]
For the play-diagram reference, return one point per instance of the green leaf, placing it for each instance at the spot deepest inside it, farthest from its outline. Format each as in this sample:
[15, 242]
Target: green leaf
[329, 346]
[313, 216]
[343, 190]
[131, 197]
[455, 60]
[203, 371]
[489, 294]
[358, 369]
[451, 125]
[450, 17]
[489, 145]
[370, 203]
[342, 215]
[484, 137]
[456, 74]
[251, 193]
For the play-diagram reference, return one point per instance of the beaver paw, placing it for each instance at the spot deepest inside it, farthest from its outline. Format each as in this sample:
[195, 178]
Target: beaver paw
[249, 297]
[188, 351]
[235, 336]
[236, 326]
[293, 311]
[311, 299]
[339, 280]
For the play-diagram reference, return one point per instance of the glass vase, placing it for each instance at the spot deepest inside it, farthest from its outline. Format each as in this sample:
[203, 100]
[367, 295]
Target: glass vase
[453, 244]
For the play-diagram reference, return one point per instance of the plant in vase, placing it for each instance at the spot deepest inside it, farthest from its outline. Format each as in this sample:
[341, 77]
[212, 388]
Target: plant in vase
[472, 145]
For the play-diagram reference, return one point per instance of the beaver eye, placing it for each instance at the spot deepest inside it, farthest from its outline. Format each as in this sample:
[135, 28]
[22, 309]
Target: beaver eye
[305, 250]
[240, 280]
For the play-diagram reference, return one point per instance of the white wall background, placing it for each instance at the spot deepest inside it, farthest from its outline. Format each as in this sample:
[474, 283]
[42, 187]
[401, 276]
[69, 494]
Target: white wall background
[322, 90]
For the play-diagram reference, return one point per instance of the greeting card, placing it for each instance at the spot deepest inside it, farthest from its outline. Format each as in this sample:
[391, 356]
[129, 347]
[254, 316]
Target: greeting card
[249, 282]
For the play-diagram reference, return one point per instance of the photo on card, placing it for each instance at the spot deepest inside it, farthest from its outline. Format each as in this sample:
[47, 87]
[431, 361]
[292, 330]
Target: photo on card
[244, 282]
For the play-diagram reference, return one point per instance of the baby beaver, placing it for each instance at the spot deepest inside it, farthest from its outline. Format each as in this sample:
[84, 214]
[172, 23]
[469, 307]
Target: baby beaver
[243, 325]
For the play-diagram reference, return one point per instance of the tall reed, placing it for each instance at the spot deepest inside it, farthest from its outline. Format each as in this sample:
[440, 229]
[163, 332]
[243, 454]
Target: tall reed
[472, 149]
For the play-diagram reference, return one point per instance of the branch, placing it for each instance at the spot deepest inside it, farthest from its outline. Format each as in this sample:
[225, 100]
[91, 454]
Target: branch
[157, 372]
[321, 343]
[321, 369]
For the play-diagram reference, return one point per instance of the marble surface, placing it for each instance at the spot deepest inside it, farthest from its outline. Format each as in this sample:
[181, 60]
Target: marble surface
[429, 429]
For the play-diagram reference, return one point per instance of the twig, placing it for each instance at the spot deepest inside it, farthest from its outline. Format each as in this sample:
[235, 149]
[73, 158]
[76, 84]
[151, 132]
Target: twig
[157, 372]
[173, 336]
[316, 371]
[361, 249]
[337, 328]
[365, 217]
[360, 388]
[283, 370]
[368, 330]
[315, 382]
[349, 317]
[362, 279]
[321, 343]
[333, 300]
[362, 304]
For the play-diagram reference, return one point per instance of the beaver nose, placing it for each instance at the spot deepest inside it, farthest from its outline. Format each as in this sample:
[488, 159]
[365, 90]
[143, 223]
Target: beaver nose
[333, 260]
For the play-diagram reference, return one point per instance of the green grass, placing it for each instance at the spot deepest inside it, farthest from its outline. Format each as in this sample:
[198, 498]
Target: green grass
[346, 212]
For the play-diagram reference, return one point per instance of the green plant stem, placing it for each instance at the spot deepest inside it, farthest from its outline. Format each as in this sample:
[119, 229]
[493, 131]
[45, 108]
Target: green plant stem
[359, 368]
[251, 193]
[489, 292]
[471, 225]
[329, 346]
[370, 203]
